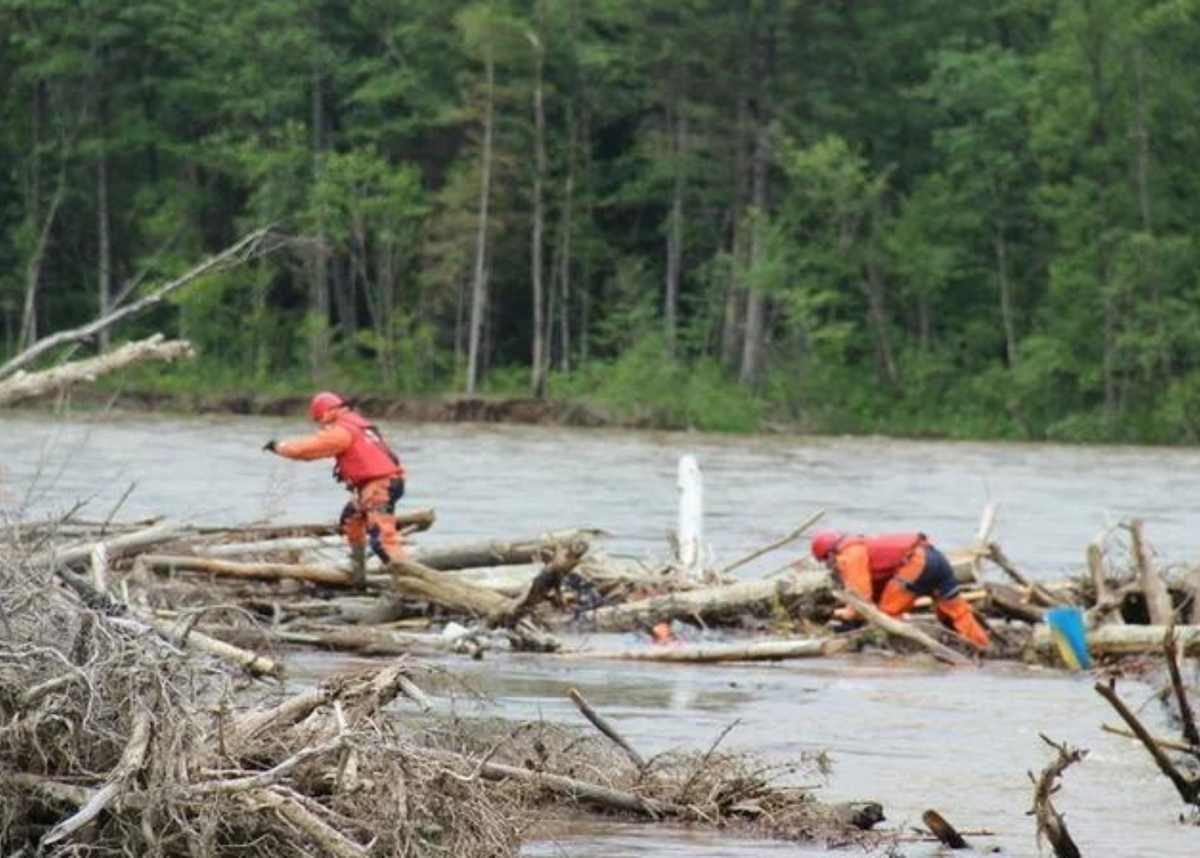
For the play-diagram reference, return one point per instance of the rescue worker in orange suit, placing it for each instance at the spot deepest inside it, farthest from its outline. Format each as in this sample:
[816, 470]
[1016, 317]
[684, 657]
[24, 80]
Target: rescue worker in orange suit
[892, 570]
[368, 468]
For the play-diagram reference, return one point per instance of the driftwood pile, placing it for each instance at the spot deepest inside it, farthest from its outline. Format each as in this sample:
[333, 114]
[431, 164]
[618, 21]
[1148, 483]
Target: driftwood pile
[126, 732]
[240, 593]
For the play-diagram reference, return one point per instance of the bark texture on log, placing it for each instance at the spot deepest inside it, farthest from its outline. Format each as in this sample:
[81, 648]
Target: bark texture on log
[421, 582]
[256, 571]
[710, 603]
[498, 552]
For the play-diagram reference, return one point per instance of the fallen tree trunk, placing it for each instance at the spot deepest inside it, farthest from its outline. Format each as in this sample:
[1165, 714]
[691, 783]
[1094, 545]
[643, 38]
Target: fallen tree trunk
[498, 553]
[121, 546]
[903, 630]
[770, 650]
[409, 520]
[28, 385]
[248, 247]
[1121, 640]
[418, 581]
[571, 788]
[256, 571]
[182, 634]
[710, 603]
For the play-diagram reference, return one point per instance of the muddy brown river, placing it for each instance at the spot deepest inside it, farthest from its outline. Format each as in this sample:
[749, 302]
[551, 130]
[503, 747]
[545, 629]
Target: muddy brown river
[908, 735]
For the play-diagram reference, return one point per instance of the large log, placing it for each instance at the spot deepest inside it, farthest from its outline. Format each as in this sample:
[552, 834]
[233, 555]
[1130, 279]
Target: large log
[1121, 640]
[408, 520]
[759, 596]
[418, 581]
[183, 634]
[762, 650]
[256, 571]
[906, 631]
[121, 546]
[497, 552]
[28, 385]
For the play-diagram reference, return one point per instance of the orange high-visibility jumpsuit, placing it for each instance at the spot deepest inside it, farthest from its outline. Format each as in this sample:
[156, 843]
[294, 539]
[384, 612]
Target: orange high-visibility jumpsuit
[923, 571]
[370, 516]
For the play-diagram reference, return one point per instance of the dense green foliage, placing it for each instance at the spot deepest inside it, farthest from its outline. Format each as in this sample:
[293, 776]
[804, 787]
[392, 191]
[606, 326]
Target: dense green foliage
[926, 216]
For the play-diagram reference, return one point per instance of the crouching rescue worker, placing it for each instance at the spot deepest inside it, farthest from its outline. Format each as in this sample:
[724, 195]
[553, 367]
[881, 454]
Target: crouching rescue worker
[368, 468]
[892, 570]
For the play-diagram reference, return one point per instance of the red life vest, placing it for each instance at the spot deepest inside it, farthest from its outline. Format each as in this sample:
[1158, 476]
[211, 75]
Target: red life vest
[368, 457]
[886, 552]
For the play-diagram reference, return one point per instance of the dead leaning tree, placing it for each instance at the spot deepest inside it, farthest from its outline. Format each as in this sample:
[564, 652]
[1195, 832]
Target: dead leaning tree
[17, 383]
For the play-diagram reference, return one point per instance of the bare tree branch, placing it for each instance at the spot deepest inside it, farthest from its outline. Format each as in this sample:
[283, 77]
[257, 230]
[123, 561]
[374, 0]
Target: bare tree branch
[248, 247]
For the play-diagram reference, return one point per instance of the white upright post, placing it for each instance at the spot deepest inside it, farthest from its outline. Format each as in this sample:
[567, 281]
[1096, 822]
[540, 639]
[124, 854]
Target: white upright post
[691, 518]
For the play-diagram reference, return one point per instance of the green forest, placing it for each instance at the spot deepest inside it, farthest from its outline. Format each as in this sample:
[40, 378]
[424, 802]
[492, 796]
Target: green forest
[920, 217]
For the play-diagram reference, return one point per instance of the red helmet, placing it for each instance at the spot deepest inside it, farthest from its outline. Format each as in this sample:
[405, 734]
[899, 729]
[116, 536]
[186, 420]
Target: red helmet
[322, 404]
[823, 542]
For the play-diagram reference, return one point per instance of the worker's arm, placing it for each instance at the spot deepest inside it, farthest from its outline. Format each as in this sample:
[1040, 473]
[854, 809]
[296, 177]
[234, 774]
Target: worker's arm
[854, 568]
[325, 443]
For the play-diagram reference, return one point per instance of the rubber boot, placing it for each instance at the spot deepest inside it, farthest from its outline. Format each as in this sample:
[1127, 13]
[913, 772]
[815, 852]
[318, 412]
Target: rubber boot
[358, 565]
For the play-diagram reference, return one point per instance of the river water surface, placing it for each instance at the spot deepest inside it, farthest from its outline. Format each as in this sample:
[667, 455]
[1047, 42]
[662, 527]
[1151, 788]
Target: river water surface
[909, 736]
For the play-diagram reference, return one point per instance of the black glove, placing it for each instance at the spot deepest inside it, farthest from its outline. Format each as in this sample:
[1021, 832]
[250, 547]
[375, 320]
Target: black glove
[269, 447]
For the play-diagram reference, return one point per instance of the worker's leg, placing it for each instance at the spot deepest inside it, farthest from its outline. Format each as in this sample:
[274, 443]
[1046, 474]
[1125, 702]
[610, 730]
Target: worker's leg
[959, 612]
[938, 579]
[377, 499]
[896, 598]
[354, 527]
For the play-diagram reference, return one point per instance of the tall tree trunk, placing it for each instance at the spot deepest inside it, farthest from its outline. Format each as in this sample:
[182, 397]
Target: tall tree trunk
[479, 281]
[1148, 262]
[33, 269]
[753, 343]
[564, 272]
[677, 128]
[318, 346]
[1000, 243]
[103, 242]
[876, 289]
[731, 322]
[538, 374]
